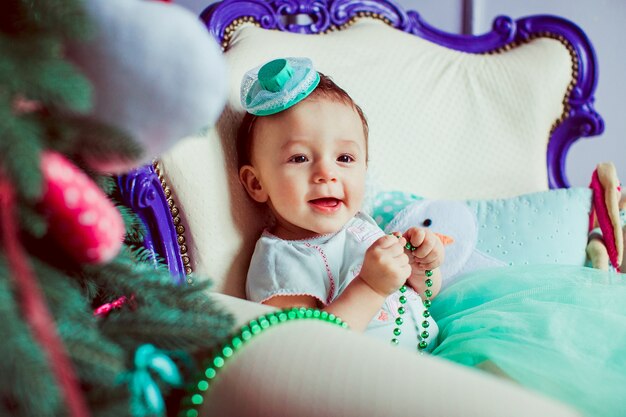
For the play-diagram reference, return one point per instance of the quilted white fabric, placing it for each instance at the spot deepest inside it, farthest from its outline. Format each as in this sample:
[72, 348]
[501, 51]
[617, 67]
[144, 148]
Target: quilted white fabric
[443, 124]
[282, 376]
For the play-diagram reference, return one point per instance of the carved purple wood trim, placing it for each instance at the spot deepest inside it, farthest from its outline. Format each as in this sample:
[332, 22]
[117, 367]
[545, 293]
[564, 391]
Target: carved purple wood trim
[141, 191]
[271, 14]
[581, 120]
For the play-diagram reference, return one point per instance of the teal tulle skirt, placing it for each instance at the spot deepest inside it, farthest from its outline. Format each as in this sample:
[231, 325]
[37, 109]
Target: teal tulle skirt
[559, 330]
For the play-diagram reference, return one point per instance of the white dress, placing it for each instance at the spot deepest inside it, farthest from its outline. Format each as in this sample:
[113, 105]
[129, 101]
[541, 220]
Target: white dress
[322, 267]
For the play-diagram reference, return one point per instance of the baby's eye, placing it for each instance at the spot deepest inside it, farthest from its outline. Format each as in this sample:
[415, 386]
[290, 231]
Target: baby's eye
[345, 158]
[298, 159]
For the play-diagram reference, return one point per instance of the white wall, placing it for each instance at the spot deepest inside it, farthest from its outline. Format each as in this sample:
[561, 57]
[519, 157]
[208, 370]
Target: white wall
[604, 21]
[196, 6]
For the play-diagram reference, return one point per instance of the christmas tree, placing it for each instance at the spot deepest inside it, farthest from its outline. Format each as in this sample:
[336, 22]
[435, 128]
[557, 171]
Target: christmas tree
[59, 358]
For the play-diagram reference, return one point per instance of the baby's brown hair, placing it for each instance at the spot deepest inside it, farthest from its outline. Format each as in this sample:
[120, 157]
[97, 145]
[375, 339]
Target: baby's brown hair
[325, 89]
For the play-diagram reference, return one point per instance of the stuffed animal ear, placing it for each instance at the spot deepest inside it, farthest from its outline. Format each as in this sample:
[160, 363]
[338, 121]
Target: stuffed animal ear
[606, 199]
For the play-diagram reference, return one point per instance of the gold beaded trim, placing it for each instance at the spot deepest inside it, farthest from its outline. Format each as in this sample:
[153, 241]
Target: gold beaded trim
[180, 229]
[572, 52]
[234, 26]
[355, 18]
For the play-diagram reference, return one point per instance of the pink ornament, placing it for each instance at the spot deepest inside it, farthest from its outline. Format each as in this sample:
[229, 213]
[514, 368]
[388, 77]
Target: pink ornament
[22, 105]
[106, 308]
[81, 218]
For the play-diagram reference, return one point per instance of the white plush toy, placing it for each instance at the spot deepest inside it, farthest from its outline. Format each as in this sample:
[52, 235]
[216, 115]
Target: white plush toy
[539, 228]
[456, 220]
[164, 63]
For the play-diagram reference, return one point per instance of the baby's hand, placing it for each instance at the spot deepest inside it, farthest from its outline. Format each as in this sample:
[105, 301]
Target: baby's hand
[428, 253]
[386, 266]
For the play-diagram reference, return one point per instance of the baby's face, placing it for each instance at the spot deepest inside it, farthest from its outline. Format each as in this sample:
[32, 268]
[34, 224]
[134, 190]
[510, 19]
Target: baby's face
[311, 162]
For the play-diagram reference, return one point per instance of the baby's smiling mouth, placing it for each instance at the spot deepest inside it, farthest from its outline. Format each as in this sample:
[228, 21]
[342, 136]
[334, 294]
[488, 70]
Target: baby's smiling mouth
[326, 203]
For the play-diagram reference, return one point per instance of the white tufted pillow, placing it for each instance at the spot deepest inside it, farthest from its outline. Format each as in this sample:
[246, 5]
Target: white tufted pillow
[446, 124]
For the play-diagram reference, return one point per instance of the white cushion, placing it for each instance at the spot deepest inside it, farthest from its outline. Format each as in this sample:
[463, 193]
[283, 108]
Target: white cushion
[309, 368]
[450, 124]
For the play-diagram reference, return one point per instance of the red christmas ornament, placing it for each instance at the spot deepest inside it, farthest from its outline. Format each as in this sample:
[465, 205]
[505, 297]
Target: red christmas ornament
[81, 218]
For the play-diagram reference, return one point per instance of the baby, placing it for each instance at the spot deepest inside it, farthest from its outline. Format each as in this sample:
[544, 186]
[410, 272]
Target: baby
[303, 151]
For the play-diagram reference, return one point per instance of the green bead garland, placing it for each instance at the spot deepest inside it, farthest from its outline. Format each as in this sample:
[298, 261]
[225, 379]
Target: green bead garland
[422, 337]
[194, 398]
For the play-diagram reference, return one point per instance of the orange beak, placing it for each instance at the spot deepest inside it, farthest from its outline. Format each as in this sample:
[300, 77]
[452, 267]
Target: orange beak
[446, 240]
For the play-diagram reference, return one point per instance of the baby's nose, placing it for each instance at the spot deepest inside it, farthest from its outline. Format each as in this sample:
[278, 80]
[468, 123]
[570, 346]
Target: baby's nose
[324, 172]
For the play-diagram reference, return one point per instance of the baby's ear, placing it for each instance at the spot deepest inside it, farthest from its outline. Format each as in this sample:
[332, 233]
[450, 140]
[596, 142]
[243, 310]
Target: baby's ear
[250, 181]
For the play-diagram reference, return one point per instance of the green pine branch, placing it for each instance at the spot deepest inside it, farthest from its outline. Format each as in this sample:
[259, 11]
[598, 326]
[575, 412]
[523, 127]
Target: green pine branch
[192, 330]
[24, 369]
[44, 102]
[109, 402]
[44, 74]
[66, 20]
[20, 152]
[85, 139]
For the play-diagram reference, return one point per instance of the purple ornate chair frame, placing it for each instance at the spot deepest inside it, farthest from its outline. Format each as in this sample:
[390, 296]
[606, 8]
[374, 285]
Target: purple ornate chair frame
[144, 191]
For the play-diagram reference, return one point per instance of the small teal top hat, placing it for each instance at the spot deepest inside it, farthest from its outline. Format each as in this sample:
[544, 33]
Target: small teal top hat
[278, 85]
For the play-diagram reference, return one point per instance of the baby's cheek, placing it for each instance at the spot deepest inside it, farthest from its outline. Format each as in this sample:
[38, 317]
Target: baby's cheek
[356, 189]
[290, 205]
[292, 194]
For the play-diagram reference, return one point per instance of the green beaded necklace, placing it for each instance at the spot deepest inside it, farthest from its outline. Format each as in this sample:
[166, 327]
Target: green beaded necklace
[423, 343]
[194, 398]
